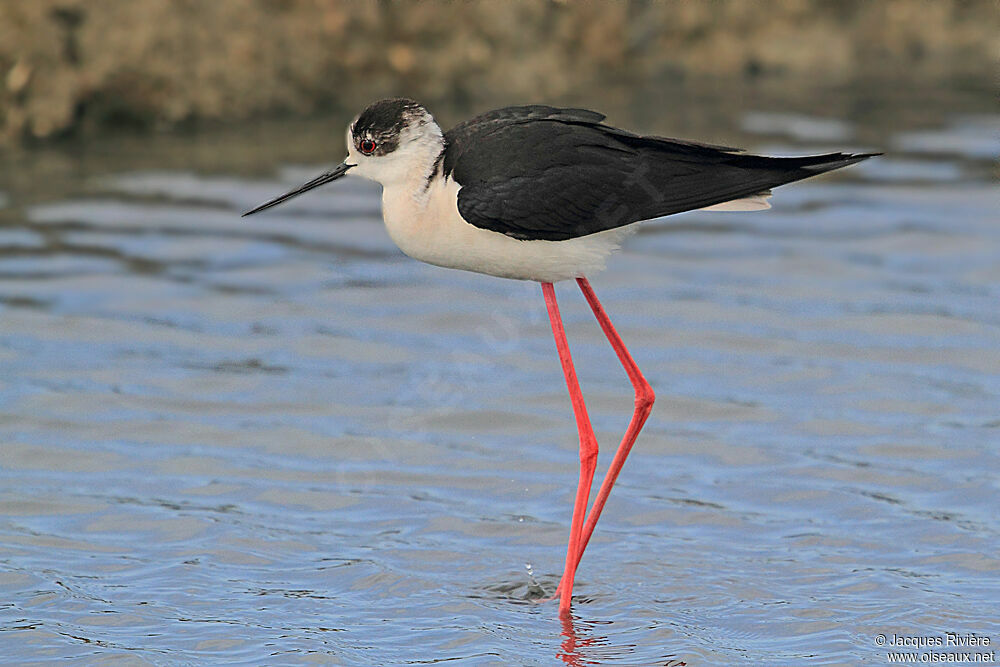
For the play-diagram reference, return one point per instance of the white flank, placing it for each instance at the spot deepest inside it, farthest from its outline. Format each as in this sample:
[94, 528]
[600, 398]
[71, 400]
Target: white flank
[430, 229]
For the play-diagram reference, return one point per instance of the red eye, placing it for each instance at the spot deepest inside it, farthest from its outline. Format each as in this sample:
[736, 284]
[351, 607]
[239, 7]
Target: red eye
[367, 146]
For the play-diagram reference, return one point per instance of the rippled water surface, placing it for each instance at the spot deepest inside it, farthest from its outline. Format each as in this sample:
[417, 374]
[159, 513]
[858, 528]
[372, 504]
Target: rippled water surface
[277, 440]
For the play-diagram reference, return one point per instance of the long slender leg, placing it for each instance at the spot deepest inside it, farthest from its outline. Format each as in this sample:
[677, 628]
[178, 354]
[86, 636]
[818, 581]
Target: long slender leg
[644, 398]
[588, 451]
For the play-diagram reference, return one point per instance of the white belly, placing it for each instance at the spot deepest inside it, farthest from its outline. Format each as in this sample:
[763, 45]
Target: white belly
[430, 229]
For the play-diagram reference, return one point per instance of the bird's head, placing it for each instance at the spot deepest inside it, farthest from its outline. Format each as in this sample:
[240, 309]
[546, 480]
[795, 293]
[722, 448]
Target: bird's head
[392, 141]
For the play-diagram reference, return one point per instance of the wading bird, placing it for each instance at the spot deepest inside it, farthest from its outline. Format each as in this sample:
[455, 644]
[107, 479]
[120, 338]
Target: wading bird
[546, 194]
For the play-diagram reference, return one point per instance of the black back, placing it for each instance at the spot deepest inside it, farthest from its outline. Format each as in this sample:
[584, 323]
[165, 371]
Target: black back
[538, 172]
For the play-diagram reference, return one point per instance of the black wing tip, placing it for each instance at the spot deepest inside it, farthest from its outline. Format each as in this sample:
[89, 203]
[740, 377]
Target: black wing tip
[857, 157]
[831, 161]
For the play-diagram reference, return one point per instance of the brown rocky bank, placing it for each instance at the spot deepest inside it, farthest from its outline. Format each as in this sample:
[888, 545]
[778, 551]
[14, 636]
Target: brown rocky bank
[73, 65]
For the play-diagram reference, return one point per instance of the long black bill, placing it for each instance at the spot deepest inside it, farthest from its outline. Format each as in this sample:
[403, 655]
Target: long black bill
[322, 179]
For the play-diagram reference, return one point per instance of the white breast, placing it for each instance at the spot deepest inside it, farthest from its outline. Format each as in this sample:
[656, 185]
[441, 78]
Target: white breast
[426, 225]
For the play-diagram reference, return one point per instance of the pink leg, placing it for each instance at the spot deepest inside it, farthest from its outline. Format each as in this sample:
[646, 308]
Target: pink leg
[644, 398]
[588, 451]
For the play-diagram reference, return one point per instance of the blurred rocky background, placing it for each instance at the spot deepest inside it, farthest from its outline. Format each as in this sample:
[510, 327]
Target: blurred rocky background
[70, 67]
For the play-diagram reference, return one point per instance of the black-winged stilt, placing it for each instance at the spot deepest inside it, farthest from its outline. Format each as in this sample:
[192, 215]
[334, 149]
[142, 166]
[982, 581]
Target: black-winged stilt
[546, 194]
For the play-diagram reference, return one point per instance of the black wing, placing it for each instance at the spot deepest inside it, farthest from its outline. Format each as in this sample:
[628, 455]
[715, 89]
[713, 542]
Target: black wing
[539, 172]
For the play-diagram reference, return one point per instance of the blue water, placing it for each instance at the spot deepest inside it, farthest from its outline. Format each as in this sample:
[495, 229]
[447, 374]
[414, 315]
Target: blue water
[279, 441]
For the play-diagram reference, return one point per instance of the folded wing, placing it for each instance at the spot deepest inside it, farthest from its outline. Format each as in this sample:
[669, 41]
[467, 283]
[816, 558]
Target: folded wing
[545, 173]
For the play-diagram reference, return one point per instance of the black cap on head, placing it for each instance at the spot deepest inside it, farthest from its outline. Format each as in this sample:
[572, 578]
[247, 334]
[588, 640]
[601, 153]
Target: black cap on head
[383, 121]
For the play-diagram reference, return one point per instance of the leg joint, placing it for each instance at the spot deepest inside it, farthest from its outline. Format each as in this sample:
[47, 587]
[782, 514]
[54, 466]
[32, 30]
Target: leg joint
[588, 451]
[644, 396]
